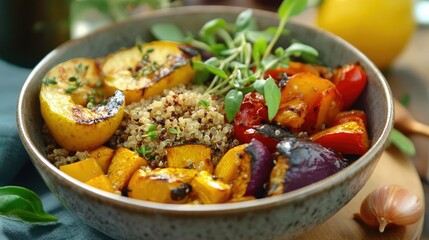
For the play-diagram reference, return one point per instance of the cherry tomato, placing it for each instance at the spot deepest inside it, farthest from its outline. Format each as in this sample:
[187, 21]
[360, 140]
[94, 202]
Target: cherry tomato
[350, 81]
[252, 113]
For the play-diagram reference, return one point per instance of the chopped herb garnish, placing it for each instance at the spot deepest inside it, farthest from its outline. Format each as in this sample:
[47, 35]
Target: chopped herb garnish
[204, 103]
[152, 128]
[151, 132]
[174, 131]
[79, 69]
[152, 135]
[48, 81]
[74, 86]
[143, 151]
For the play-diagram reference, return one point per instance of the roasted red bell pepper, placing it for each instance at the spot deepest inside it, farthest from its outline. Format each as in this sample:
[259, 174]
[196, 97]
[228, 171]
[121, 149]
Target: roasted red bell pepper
[347, 137]
[350, 81]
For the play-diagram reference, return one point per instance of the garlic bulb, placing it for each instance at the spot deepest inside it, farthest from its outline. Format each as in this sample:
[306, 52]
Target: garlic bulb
[391, 204]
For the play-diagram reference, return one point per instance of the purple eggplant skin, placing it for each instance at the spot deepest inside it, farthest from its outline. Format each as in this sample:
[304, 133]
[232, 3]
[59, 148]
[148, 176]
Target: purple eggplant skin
[261, 163]
[308, 162]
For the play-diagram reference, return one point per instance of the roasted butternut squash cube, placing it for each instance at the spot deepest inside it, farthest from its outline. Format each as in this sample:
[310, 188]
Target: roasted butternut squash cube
[103, 155]
[167, 185]
[235, 168]
[227, 168]
[83, 170]
[209, 190]
[196, 156]
[101, 182]
[124, 163]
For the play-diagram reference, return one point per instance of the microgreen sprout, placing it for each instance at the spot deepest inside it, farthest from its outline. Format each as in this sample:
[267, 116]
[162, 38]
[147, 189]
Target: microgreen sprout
[151, 132]
[143, 151]
[174, 131]
[241, 55]
[204, 103]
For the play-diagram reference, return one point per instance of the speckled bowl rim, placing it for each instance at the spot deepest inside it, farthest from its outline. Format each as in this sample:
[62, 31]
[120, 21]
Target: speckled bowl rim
[213, 209]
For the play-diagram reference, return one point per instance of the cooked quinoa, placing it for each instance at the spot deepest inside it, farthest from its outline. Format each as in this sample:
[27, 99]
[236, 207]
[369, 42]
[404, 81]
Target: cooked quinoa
[182, 115]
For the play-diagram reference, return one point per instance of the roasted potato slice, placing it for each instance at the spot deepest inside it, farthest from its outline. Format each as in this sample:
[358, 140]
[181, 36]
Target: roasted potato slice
[146, 70]
[69, 96]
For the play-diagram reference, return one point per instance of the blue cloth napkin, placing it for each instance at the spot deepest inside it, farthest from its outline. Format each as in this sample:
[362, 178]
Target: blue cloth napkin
[17, 169]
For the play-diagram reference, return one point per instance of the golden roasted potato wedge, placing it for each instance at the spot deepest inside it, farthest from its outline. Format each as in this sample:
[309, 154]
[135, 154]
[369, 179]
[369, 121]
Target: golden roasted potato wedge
[146, 70]
[69, 102]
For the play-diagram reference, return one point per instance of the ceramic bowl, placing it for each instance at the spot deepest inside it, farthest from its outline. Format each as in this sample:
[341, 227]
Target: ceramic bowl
[279, 217]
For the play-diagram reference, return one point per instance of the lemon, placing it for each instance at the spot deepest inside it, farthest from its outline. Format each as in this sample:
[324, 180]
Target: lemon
[379, 28]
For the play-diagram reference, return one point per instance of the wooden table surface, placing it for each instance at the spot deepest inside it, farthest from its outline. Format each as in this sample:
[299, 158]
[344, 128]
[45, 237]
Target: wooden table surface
[408, 75]
[393, 168]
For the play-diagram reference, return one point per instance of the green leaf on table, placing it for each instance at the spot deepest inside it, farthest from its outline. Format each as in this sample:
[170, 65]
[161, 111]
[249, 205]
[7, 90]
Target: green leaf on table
[232, 103]
[21, 204]
[167, 32]
[272, 95]
[402, 142]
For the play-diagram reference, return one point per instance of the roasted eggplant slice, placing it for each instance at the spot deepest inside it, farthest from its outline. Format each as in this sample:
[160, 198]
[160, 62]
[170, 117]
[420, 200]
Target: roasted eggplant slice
[300, 163]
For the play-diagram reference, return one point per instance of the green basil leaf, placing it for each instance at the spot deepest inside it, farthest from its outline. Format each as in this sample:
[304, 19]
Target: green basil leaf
[232, 103]
[217, 71]
[243, 20]
[402, 142]
[167, 32]
[21, 204]
[259, 86]
[290, 8]
[299, 48]
[272, 95]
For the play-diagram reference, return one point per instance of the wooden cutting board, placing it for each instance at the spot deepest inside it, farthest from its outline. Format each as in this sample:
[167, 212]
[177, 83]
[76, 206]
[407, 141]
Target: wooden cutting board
[393, 168]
